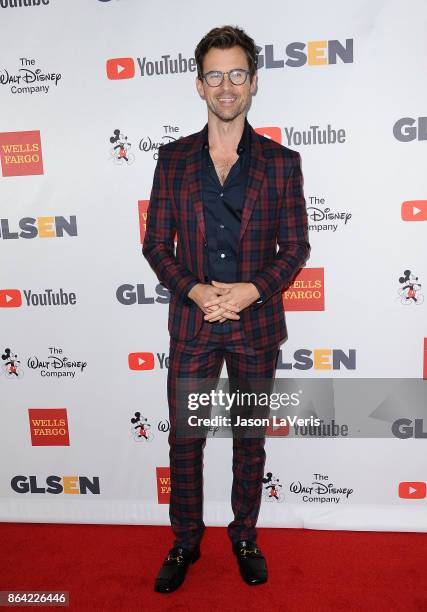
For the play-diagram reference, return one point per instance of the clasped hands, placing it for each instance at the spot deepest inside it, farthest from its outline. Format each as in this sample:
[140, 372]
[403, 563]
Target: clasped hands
[222, 301]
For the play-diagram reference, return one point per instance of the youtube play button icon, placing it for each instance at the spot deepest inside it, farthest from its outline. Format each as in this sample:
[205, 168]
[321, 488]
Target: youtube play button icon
[412, 490]
[141, 361]
[414, 210]
[120, 68]
[10, 298]
[272, 133]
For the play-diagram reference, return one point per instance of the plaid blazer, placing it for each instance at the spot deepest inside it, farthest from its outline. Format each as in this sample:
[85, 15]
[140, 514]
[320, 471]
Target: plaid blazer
[274, 213]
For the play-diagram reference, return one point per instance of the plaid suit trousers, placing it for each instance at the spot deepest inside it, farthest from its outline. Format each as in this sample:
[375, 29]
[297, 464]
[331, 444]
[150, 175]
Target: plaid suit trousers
[202, 357]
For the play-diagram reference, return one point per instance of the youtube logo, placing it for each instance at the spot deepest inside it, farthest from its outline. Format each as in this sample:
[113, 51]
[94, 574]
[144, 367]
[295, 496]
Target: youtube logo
[412, 490]
[273, 133]
[414, 210]
[141, 361]
[120, 68]
[10, 298]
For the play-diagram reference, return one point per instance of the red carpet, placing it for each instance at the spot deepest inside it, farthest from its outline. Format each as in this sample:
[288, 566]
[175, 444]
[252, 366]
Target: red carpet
[113, 567]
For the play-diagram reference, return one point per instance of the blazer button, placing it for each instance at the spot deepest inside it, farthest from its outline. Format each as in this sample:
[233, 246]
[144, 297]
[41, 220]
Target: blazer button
[205, 244]
[206, 279]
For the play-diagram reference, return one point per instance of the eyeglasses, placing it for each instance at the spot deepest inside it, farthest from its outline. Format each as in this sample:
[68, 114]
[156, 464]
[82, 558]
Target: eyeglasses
[214, 78]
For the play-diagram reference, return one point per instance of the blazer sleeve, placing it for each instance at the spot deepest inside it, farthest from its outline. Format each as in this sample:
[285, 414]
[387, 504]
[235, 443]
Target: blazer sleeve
[158, 245]
[292, 239]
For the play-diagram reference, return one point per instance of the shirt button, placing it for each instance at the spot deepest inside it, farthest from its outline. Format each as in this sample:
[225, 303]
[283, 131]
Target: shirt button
[222, 255]
[221, 194]
[221, 226]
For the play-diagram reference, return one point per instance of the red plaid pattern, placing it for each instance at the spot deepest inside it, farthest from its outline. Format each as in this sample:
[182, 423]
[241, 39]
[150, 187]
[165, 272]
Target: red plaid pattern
[203, 358]
[274, 214]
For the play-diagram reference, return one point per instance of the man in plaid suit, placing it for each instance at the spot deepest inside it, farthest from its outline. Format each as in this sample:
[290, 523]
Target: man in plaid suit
[230, 197]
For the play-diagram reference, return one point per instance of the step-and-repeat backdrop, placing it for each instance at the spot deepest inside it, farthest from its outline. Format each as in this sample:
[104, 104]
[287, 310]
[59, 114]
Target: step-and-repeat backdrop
[89, 91]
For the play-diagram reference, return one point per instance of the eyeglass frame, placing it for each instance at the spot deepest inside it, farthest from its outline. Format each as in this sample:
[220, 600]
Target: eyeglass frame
[223, 75]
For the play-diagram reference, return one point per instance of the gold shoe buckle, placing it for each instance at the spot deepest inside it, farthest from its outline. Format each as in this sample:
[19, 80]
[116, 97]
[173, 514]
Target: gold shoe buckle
[179, 558]
[248, 551]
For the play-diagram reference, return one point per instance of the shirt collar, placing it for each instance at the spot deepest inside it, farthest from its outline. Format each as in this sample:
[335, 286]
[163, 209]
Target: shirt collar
[241, 147]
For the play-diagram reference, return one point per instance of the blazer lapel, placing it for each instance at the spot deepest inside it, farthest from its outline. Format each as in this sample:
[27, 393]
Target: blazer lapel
[193, 173]
[256, 175]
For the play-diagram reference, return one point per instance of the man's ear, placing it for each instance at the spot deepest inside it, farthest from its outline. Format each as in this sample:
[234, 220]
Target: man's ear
[199, 87]
[254, 83]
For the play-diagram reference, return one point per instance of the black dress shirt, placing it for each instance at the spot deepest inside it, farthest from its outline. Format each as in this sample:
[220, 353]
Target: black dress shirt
[223, 207]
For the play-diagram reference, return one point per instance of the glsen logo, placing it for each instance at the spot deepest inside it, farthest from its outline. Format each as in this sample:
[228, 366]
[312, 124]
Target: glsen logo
[10, 298]
[21, 3]
[141, 361]
[414, 210]
[120, 68]
[128, 295]
[319, 359]
[307, 291]
[49, 426]
[142, 212]
[412, 490]
[163, 484]
[273, 133]
[21, 153]
[313, 53]
[408, 129]
[406, 428]
[70, 485]
[321, 217]
[40, 227]
[314, 135]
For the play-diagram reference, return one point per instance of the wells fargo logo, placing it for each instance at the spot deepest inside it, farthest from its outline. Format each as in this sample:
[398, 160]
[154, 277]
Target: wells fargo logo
[49, 426]
[142, 210]
[307, 291]
[163, 484]
[21, 153]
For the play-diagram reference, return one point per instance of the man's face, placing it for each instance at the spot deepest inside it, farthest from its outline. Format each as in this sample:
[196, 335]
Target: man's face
[227, 101]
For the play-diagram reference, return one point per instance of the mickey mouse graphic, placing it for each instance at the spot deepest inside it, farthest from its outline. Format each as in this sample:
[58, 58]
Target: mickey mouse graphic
[11, 366]
[272, 488]
[121, 149]
[409, 293]
[141, 430]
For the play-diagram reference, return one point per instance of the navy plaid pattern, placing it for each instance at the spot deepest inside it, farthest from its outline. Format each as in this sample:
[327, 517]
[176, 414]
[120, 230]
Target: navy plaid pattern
[274, 213]
[203, 357]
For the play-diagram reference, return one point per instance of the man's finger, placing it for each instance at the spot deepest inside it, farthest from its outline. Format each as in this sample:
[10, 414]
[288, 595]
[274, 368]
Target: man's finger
[219, 300]
[217, 284]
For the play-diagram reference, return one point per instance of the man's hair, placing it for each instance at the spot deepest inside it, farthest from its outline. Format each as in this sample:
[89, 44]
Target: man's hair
[226, 37]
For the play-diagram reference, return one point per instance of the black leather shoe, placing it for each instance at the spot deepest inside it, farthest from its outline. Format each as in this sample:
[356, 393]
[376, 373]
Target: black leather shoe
[174, 568]
[251, 562]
